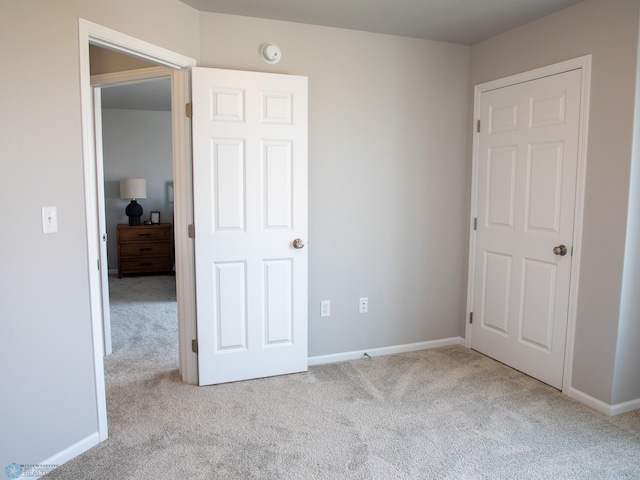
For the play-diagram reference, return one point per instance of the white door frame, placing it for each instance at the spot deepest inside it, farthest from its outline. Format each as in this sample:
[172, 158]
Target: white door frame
[583, 64]
[102, 222]
[91, 33]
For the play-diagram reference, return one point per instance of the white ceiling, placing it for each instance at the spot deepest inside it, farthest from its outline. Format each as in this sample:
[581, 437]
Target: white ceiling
[458, 21]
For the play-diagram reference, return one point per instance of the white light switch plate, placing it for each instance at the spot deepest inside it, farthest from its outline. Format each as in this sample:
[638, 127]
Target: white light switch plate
[49, 220]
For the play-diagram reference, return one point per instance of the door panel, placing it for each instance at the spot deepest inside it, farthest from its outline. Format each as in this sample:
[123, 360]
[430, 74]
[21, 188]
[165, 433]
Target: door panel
[538, 299]
[501, 179]
[250, 203]
[527, 163]
[497, 292]
[544, 187]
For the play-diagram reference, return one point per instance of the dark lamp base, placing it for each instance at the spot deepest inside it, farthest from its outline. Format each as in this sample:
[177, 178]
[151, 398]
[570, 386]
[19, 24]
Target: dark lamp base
[134, 212]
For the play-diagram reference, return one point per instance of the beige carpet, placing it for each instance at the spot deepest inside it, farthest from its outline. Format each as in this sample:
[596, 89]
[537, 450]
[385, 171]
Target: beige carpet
[447, 413]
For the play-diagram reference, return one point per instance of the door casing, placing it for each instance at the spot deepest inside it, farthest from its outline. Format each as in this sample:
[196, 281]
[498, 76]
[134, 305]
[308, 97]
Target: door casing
[583, 64]
[91, 33]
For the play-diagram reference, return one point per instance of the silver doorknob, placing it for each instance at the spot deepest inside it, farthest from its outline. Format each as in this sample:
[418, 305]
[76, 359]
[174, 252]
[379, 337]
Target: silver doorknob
[297, 243]
[560, 250]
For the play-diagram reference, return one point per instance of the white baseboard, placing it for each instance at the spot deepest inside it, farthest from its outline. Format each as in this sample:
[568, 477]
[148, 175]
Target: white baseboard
[64, 456]
[625, 407]
[590, 401]
[376, 352]
[603, 407]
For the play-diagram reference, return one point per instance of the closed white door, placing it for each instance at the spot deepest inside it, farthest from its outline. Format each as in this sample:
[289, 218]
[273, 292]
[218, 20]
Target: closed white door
[250, 211]
[526, 182]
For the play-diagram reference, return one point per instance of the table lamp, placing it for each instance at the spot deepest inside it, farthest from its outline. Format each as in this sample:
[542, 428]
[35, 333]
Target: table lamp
[133, 188]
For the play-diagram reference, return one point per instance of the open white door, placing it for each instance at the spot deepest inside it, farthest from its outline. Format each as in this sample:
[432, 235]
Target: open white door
[527, 162]
[250, 212]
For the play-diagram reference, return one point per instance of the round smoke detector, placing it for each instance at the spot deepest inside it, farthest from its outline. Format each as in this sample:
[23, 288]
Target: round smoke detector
[270, 53]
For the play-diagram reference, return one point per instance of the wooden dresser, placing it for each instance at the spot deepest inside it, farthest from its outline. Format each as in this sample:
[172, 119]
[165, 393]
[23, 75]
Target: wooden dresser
[145, 249]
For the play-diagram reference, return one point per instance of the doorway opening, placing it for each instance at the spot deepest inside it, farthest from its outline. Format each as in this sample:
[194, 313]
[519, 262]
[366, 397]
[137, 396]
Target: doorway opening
[93, 34]
[134, 141]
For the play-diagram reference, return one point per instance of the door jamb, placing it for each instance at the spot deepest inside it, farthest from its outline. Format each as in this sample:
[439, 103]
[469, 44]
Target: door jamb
[91, 33]
[101, 216]
[584, 64]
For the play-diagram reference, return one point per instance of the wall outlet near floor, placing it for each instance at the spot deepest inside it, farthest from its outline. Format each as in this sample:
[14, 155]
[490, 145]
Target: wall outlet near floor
[364, 305]
[325, 308]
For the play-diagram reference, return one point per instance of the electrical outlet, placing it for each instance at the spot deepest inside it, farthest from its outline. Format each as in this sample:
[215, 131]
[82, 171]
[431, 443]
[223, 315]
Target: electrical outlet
[325, 308]
[364, 305]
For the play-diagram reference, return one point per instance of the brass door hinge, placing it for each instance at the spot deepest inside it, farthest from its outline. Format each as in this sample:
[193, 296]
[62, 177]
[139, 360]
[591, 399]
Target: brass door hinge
[194, 345]
[189, 109]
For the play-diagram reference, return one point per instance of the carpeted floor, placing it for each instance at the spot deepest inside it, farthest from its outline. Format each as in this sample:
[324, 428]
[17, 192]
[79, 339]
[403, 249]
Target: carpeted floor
[446, 413]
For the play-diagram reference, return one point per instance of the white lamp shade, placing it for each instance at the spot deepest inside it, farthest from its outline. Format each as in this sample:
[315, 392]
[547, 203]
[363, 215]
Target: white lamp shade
[133, 188]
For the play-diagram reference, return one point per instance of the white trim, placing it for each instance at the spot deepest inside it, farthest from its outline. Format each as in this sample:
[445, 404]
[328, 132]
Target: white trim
[120, 42]
[89, 32]
[603, 407]
[129, 76]
[102, 225]
[376, 352]
[583, 64]
[590, 401]
[581, 181]
[93, 252]
[625, 407]
[71, 452]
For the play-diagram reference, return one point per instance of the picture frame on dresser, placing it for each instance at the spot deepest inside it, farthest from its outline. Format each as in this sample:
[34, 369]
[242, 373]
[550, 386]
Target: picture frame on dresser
[155, 217]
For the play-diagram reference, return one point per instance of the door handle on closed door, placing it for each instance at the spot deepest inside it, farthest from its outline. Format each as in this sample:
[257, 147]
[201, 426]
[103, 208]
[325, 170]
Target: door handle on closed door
[297, 243]
[560, 250]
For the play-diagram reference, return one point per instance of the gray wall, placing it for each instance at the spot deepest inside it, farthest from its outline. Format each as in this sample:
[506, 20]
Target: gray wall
[136, 144]
[609, 31]
[387, 170]
[45, 325]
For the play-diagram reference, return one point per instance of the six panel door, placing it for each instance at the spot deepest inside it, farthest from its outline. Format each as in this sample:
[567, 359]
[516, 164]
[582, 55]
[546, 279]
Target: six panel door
[250, 204]
[527, 161]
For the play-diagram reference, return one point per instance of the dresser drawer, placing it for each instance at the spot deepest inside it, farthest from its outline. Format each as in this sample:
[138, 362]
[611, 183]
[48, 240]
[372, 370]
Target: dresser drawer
[144, 249]
[148, 264]
[144, 234]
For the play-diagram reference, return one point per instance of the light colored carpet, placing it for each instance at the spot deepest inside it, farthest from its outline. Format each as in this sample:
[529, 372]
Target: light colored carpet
[447, 413]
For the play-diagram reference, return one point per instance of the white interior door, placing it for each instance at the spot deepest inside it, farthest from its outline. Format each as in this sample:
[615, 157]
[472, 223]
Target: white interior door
[250, 206]
[526, 182]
